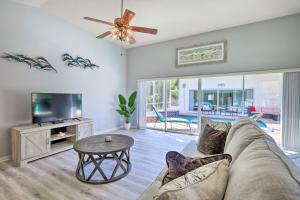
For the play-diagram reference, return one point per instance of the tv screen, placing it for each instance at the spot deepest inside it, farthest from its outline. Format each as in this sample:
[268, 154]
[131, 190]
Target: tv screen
[50, 107]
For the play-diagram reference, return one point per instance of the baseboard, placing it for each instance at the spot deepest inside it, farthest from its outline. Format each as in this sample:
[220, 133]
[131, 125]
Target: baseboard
[107, 130]
[4, 158]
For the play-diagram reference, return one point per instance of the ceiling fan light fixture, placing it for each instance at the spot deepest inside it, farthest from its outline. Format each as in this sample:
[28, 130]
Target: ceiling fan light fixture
[129, 32]
[114, 30]
[114, 36]
[120, 29]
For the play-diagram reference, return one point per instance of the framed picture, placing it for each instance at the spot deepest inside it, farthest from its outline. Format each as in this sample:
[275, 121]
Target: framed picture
[201, 54]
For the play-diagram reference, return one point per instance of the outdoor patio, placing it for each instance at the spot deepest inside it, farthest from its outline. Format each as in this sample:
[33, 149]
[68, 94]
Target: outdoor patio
[273, 127]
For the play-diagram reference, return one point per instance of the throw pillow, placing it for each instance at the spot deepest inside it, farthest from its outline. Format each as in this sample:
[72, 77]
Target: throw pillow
[212, 141]
[178, 164]
[221, 126]
[207, 182]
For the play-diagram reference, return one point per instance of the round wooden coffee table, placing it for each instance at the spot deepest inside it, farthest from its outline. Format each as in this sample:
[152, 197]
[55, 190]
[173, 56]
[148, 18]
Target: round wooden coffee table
[93, 151]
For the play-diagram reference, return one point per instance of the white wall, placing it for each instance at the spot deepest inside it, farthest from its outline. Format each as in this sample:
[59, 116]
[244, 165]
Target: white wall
[25, 30]
[267, 89]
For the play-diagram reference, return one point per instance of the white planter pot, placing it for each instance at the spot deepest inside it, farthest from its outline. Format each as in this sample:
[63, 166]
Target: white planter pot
[127, 126]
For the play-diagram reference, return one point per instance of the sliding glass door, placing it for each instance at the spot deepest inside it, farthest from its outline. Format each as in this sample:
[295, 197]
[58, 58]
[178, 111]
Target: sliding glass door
[263, 102]
[174, 105]
[155, 104]
[182, 105]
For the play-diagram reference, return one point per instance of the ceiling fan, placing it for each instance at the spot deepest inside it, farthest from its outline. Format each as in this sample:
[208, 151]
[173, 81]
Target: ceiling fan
[120, 29]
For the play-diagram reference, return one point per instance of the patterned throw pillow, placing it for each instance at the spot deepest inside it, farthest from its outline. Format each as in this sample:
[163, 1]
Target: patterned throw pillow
[178, 164]
[212, 141]
[206, 182]
[221, 126]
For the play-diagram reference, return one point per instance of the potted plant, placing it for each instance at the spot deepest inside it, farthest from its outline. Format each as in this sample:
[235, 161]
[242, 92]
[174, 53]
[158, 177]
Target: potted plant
[126, 109]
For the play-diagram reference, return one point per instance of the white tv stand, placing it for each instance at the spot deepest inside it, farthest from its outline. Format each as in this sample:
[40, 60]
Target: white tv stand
[33, 142]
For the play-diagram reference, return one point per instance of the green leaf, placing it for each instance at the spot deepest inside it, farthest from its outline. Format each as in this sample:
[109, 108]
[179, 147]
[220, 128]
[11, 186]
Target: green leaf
[131, 109]
[121, 112]
[123, 107]
[122, 99]
[124, 113]
[132, 99]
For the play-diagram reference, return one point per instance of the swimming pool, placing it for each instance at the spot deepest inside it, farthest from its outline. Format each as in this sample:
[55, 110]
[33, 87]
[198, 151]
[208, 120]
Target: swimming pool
[194, 120]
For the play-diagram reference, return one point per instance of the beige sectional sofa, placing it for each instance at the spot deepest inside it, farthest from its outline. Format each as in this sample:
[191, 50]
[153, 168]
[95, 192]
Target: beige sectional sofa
[259, 169]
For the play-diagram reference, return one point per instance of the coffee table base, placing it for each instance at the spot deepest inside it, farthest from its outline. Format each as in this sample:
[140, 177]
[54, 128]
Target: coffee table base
[122, 160]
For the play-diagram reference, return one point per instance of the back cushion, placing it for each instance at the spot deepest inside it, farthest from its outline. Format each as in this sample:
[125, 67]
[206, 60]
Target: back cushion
[241, 134]
[212, 141]
[258, 173]
[221, 126]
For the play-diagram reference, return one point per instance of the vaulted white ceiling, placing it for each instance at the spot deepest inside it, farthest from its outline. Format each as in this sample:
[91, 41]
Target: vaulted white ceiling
[172, 18]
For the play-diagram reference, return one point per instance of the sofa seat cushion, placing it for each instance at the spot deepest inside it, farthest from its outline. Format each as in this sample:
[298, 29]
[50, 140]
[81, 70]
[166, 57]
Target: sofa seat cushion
[204, 183]
[151, 191]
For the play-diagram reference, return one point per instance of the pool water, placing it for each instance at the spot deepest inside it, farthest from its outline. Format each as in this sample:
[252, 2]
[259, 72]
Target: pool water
[194, 120]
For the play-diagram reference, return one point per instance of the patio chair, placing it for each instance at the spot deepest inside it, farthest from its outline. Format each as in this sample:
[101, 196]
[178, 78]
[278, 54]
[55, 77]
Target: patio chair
[160, 117]
[206, 108]
[256, 117]
[263, 125]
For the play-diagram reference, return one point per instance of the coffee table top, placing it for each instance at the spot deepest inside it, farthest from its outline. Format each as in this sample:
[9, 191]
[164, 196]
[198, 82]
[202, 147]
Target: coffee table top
[96, 144]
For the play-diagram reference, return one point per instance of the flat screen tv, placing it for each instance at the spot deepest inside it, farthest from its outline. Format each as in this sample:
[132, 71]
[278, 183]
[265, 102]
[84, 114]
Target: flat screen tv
[51, 107]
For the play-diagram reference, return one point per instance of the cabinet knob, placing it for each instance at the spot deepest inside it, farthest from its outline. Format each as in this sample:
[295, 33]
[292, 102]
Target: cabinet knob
[47, 141]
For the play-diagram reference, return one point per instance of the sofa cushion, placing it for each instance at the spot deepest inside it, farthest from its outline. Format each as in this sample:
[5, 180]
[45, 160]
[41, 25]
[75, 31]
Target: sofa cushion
[178, 164]
[221, 126]
[212, 141]
[259, 170]
[241, 134]
[206, 182]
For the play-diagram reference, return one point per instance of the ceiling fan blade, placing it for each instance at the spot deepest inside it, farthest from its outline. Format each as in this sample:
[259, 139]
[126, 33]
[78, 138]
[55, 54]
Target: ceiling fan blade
[131, 40]
[144, 30]
[127, 17]
[98, 20]
[103, 35]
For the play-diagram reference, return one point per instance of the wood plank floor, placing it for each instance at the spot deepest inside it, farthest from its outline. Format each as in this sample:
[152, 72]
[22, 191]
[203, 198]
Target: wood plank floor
[53, 178]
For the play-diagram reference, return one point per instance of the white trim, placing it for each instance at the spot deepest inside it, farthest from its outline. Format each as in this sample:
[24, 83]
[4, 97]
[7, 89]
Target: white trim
[199, 104]
[4, 159]
[224, 74]
[165, 103]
